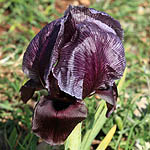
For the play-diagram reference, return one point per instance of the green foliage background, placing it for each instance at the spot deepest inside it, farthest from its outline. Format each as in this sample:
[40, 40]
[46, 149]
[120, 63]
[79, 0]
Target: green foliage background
[20, 20]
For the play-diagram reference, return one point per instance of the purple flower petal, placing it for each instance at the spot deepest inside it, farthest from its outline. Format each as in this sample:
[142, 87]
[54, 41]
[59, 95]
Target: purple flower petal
[54, 120]
[92, 58]
[28, 89]
[26, 93]
[74, 16]
[110, 95]
[38, 54]
[49, 47]
[102, 19]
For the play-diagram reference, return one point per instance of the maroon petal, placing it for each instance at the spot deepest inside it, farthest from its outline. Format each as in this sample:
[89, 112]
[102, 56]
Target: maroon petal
[28, 89]
[65, 36]
[102, 19]
[110, 95]
[92, 58]
[26, 93]
[53, 121]
[38, 54]
[74, 17]
[66, 33]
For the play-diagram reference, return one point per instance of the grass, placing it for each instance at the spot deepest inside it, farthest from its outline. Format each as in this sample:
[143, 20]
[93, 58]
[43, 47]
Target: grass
[21, 20]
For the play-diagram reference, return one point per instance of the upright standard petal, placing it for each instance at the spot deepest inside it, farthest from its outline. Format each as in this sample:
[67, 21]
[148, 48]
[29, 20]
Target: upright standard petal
[38, 54]
[54, 120]
[91, 59]
[102, 19]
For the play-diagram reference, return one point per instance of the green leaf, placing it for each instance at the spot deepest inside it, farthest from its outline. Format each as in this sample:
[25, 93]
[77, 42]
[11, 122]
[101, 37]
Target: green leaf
[6, 105]
[103, 145]
[73, 142]
[99, 120]
[119, 122]
[122, 80]
[12, 138]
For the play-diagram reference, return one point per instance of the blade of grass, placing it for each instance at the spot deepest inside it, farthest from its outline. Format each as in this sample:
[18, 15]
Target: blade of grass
[122, 131]
[99, 120]
[73, 142]
[103, 145]
[130, 135]
[119, 122]
[29, 142]
[12, 138]
[99, 110]
[122, 80]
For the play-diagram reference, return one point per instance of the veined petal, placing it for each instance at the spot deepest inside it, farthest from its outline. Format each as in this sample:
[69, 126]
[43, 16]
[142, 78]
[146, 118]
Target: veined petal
[54, 120]
[73, 18]
[46, 51]
[92, 58]
[102, 19]
[38, 54]
[66, 32]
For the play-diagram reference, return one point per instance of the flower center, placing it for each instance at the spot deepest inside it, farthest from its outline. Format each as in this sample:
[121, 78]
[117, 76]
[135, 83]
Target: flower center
[58, 105]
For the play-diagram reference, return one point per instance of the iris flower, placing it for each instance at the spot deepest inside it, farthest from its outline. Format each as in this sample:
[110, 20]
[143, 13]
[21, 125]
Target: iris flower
[72, 57]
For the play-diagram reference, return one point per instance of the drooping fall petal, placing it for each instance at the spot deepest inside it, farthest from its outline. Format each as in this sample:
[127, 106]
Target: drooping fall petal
[28, 89]
[54, 120]
[110, 95]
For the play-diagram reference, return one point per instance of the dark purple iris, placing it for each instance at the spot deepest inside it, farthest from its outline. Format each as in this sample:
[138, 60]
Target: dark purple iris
[72, 57]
